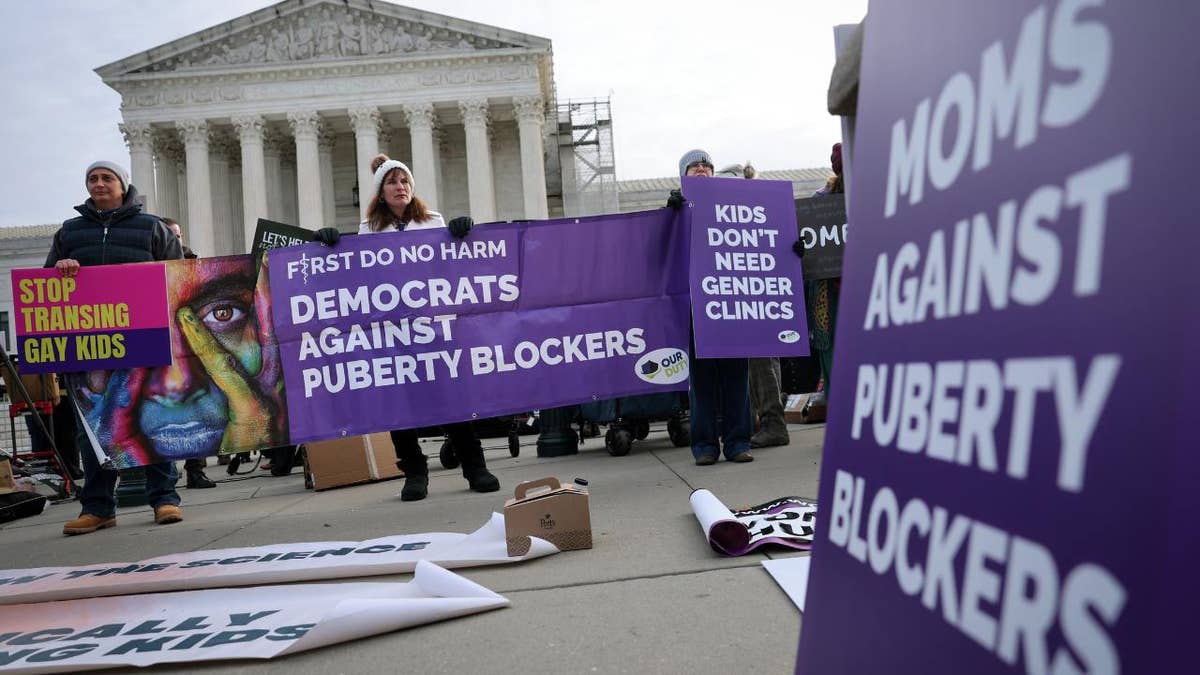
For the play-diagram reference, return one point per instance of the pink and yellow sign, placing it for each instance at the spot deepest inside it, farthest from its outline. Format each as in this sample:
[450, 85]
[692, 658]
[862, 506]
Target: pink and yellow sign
[101, 319]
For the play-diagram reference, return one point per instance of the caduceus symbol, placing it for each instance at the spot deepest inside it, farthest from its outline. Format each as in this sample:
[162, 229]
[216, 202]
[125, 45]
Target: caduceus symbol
[304, 267]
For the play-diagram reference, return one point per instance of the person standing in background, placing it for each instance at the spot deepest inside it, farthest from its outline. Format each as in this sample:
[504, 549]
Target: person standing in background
[766, 388]
[193, 468]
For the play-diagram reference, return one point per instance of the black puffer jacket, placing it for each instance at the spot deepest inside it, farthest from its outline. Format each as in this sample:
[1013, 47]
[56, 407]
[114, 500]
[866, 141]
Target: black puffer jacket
[124, 235]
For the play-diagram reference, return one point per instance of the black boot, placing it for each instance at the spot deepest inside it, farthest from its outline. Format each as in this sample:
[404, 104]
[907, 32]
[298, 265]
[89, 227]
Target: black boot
[475, 470]
[416, 477]
[416, 488]
[197, 480]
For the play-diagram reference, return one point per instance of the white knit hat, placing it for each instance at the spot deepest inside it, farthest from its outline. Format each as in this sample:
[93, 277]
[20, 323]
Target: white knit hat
[117, 169]
[387, 166]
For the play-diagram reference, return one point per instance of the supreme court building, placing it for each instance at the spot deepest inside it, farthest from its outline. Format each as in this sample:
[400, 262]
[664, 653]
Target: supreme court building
[276, 114]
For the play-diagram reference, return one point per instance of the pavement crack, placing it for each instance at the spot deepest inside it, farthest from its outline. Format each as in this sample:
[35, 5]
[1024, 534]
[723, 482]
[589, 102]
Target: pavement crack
[663, 575]
[654, 453]
[251, 523]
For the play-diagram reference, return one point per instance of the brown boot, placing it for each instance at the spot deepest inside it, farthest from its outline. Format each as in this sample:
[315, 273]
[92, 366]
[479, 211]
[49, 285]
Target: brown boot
[87, 523]
[166, 514]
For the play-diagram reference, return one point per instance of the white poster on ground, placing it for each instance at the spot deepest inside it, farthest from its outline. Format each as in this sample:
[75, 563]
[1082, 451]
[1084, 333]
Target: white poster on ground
[280, 563]
[787, 521]
[792, 576]
[247, 623]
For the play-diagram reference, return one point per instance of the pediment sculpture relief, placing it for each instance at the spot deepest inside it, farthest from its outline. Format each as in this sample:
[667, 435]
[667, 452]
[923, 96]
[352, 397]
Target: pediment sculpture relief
[324, 34]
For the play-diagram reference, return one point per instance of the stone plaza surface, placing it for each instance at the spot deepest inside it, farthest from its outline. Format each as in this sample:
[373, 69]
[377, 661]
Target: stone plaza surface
[649, 597]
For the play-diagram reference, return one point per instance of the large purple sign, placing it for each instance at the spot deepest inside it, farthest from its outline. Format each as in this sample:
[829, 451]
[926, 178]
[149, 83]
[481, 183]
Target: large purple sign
[416, 328]
[747, 287]
[1008, 482]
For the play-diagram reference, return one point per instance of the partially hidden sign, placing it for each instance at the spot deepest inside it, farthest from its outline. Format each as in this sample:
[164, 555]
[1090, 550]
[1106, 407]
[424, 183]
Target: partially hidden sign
[96, 320]
[822, 224]
[1009, 474]
[269, 235]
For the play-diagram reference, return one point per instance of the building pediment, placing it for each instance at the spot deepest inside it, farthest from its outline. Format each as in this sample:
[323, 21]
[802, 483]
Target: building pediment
[298, 32]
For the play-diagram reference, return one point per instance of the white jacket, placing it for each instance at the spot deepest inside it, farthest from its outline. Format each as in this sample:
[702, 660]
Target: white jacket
[435, 220]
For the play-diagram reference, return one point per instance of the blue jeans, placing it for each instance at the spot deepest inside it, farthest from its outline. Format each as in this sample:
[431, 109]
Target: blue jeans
[720, 388]
[100, 484]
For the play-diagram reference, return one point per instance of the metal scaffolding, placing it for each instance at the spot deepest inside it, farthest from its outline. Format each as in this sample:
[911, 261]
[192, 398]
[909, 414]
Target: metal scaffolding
[585, 149]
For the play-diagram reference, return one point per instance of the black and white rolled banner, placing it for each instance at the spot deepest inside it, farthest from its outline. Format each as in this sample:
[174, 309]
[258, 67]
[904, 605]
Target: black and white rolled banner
[787, 521]
[245, 623]
[277, 563]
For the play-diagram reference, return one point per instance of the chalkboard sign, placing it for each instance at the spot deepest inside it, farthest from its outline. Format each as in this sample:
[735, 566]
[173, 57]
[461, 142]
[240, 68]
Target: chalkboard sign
[270, 234]
[822, 228]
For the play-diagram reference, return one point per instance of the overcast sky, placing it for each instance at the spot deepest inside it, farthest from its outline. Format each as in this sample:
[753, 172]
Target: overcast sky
[744, 80]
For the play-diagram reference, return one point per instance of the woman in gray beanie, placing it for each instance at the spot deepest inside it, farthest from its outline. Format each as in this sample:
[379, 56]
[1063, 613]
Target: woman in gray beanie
[718, 388]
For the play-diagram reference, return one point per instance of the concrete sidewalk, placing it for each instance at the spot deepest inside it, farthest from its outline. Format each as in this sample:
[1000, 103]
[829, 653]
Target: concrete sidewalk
[650, 597]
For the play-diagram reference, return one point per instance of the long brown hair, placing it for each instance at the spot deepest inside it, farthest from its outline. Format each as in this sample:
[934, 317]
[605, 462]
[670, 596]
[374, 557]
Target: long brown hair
[379, 214]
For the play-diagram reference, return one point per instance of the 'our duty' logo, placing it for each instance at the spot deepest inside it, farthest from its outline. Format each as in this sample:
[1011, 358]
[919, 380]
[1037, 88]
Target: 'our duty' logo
[789, 336]
[668, 365]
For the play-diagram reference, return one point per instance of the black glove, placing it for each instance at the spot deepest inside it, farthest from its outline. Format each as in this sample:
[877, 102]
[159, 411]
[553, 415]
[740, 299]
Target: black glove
[676, 200]
[460, 226]
[798, 248]
[327, 235]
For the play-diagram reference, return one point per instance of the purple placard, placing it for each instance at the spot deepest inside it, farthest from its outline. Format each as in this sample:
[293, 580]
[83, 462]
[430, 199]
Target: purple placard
[512, 318]
[1024, 500]
[746, 284]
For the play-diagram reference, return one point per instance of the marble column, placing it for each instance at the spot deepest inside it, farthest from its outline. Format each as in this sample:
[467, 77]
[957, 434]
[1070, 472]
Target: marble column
[181, 182]
[254, 174]
[140, 139]
[531, 115]
[287, 184]
[385, 139]
[199, 186]
[237, 232]
[272, 169]
[306, 126]
[326, 140]
[421, 122]
[218, 173]
[166, 173]
[365, 121]
[481, 191]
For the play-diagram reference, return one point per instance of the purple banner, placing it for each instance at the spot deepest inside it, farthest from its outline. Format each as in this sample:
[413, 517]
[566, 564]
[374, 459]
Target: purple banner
[409, 329]
[1008, 480]
[747, 288]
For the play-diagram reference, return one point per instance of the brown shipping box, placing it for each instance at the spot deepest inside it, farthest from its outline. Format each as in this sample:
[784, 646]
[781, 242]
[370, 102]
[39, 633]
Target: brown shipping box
[548, 509]
[347, 461]
[792, 411]
[7, 484]
[40, 387]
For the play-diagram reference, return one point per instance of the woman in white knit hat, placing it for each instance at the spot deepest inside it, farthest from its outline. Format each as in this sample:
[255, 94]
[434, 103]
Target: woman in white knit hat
[394, 207]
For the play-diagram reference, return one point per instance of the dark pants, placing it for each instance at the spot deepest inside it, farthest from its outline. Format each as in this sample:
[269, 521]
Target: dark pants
[462, 435]
[766, 395]
[99, 484]
[720, 388]
[64, 432]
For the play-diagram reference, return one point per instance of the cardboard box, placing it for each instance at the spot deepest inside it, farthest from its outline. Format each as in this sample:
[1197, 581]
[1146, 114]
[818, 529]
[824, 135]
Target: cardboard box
[7, 484]
[347, 461]
[791, 412]
[41, 387]
[548, 509]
